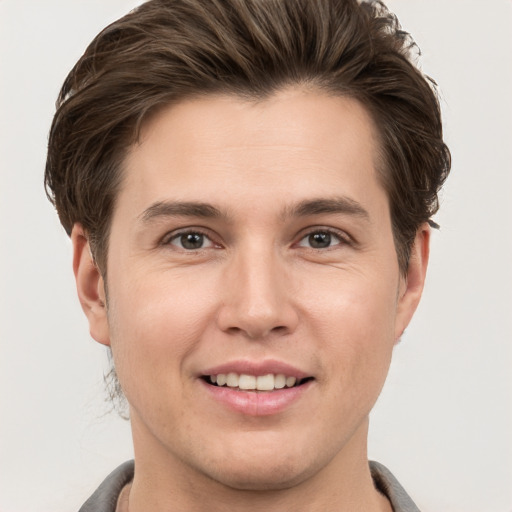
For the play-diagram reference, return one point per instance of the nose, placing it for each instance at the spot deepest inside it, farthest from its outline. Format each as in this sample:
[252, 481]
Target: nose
[258, 296]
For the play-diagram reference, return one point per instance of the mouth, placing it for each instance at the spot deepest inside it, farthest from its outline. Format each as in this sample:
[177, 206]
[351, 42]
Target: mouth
[255, 383]
[257, 388]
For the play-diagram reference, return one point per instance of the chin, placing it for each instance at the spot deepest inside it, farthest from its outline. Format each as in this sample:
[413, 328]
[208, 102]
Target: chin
[251, 475]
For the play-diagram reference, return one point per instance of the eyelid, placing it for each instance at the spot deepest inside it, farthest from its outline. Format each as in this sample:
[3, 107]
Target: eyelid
[175, 234]
[341, 235]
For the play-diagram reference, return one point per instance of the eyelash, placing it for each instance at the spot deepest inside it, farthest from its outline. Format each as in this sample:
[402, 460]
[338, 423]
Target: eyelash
[170, 237]
[342, 237]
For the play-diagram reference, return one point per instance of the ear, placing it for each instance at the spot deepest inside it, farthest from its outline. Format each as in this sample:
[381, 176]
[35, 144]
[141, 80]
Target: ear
[90, 286]
[411, 286]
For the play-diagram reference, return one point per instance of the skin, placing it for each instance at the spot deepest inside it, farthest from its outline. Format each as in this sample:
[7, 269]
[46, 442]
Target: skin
[256, 290]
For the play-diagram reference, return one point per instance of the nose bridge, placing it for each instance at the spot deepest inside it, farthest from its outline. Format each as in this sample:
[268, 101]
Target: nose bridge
[257, 300]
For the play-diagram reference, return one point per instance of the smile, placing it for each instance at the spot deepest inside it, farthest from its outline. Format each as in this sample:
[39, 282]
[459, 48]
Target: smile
[247, 382]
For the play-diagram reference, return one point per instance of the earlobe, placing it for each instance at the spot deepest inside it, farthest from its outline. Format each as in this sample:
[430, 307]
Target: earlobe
[90, 286]
[412, 286]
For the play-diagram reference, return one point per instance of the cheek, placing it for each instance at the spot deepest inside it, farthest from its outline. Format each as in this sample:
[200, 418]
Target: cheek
[356, 321]
[154, 326]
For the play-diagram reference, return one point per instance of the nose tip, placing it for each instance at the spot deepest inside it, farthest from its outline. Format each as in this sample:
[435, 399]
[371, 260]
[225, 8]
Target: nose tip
[255, 324]
[258, 301]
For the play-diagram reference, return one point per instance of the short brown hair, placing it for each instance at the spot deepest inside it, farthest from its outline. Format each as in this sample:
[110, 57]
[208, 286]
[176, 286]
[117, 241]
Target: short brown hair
[166, 50]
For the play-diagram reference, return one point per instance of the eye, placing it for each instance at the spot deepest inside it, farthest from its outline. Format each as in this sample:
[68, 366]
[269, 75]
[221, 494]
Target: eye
[190, 241]
[321, 239]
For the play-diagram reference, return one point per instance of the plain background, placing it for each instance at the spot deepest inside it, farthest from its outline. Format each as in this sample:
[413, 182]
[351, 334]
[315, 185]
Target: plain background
[443, 422]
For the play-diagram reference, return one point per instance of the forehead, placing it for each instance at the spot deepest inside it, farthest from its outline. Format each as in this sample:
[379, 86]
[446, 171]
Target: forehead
[221, 147]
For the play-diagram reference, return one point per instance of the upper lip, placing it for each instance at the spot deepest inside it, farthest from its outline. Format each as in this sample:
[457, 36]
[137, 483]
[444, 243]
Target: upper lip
[257, 368]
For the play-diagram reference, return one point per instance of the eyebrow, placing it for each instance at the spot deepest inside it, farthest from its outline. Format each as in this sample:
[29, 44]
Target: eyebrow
[180, 209]
[336, 205]
[342, 204]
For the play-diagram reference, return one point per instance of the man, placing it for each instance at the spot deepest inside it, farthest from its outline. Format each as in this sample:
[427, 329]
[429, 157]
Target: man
[248, 186]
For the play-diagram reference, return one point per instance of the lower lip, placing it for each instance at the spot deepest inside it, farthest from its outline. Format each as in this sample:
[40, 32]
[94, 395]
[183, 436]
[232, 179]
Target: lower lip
[257, 403]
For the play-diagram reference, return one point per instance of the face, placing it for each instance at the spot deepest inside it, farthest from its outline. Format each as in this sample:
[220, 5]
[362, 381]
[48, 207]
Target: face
[254, 294]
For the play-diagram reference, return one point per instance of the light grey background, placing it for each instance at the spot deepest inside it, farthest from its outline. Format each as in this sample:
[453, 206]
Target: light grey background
[444, 420]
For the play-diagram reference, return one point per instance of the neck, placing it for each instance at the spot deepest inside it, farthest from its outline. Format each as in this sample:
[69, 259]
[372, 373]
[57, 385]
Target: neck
[162, 482]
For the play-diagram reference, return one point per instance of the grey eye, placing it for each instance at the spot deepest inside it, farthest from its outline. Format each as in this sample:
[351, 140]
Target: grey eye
[191, 241]
[319, 240]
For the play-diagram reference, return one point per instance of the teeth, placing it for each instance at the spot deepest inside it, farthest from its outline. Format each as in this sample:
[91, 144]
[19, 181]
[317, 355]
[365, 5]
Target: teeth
[247, 382]
[265, 382]
[232, 380]
[290, 382]
[250, 382]
[280, 381]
